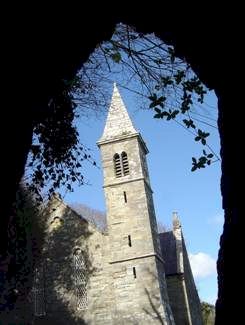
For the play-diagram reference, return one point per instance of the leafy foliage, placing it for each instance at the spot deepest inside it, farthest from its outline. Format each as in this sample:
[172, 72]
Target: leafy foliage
[26, 239]
[56, 155]
[168, 83]
[203, 160]
[208, 313]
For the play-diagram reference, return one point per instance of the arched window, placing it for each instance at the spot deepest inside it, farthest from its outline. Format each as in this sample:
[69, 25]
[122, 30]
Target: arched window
[117, 165]
[124, 157]
[125, 166]
[121, 164]
[80, 278]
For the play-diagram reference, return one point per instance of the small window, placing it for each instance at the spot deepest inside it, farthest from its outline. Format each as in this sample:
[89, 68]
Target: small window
[125, 196]
[124, 157]
[129, 241]
[134, 272]
[117, 165]
[80, 278]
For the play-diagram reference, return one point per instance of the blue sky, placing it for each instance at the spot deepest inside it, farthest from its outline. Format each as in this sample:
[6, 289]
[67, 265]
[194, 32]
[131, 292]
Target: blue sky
[194, 195]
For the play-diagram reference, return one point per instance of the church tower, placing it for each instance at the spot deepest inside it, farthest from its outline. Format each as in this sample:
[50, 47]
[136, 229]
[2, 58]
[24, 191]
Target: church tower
[135, 264]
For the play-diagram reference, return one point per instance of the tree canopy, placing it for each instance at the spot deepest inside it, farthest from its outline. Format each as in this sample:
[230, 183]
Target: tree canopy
[167, 83]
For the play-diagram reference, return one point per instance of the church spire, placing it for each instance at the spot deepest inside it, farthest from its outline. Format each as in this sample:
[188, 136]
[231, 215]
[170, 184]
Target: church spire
[118, 122]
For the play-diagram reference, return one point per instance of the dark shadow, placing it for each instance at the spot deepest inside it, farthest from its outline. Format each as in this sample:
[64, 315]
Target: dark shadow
[154, 313]
[25, 241]
[50, 247]
[62, 239]
[155, 300]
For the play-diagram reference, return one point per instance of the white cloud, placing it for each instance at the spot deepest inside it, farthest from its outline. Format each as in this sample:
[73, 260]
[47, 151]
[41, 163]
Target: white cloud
[218, 219]
[202, 265]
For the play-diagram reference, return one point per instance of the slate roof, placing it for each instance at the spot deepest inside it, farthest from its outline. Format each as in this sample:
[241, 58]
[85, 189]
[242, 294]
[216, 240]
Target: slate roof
[168, 248]
[118, 122]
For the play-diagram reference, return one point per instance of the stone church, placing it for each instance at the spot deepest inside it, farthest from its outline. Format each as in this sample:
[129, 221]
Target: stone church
[128, 274]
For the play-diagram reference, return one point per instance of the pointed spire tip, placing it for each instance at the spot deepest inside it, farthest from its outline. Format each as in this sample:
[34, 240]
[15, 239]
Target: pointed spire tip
[118, 122]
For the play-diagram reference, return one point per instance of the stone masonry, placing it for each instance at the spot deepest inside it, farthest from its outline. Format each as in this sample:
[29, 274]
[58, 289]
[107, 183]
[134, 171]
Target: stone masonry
[119, 276]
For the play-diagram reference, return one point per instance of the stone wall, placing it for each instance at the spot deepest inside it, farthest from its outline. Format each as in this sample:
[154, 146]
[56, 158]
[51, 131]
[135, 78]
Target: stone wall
[139, 296]
[193, 298]
[66, 232]
[177, 298]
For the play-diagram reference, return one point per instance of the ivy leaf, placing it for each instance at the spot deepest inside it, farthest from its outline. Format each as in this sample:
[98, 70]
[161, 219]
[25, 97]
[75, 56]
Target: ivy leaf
[157, 110]
[116, 57]
[158, 115]
[172, 54]
[153, 97]
[179, 76]
[189, 123]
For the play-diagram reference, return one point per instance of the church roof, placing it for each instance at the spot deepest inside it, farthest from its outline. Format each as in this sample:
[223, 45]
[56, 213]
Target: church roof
[118, 123]
[168, 248]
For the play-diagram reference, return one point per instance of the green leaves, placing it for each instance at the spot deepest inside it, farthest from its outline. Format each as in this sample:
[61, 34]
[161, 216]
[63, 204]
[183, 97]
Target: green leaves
[202, 161]
[116, 57]
[55, 158]
[195, 85]
[169, 115]
[160, 113]
[171, 54]
[179, 76]
[167, 80]
[202, 137]
[186, 102]
[156, 101]
[189, 123]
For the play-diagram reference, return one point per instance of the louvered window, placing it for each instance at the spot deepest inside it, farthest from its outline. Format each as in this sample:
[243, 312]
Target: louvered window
[80, 280]
[125, 166]
[38, 291]
[117, 165]
[121, 166]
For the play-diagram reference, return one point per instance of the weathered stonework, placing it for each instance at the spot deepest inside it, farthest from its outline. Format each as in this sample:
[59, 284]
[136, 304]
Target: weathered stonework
[181, 288]
[119, 276]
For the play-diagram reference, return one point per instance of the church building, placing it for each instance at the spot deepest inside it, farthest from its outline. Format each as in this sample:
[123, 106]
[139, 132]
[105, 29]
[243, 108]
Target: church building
[128, 274]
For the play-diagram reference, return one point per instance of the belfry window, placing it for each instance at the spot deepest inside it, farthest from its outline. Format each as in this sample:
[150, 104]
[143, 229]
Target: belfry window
[38, 291]
[117, 165]
[80, 278]
[121, 166]
[124, 157]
